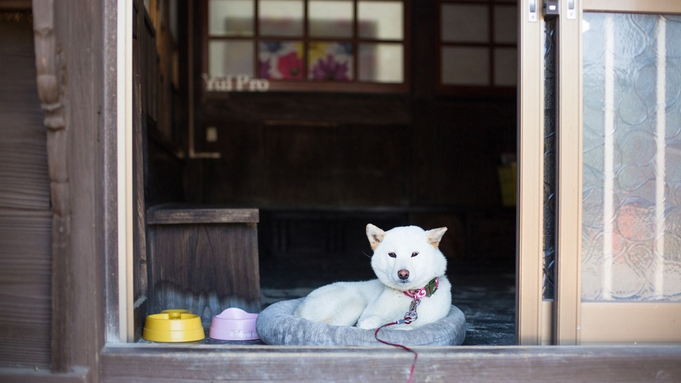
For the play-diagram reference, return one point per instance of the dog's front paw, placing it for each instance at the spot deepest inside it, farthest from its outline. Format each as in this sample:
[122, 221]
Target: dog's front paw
[370, 323]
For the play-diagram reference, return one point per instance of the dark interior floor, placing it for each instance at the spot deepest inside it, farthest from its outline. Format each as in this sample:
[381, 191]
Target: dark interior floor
[300, 250]
[486, 298]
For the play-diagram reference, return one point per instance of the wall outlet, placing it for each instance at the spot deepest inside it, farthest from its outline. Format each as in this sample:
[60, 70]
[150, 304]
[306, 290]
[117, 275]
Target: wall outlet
[211, 134]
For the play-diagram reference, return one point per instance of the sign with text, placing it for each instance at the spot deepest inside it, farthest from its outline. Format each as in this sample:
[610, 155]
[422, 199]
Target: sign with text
[235, 83]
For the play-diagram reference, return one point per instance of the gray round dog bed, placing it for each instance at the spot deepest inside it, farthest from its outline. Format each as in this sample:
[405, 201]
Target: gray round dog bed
[278, 326]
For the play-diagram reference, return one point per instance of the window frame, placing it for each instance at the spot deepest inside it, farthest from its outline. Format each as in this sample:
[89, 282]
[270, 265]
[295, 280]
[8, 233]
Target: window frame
[476, 90]
[305, 85]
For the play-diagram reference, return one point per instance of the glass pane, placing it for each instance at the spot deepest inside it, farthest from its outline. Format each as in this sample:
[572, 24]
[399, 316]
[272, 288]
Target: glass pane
[505, 24]
[631, 245]
[381, 63]
[230, 58]
[230, 17]
[464, 23]
[280, 17]
[280, 60]
[330, 61]
[330, 18]
[465, 66]
[380, 20]
[505, 66]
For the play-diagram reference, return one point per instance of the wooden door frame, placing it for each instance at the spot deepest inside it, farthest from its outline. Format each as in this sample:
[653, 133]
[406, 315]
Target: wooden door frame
[75, 90]
[87, 340]
[530, 322]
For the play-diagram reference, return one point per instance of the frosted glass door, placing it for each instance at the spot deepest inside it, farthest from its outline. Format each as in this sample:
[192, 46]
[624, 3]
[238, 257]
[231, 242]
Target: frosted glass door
[631, 178]
[631, 212]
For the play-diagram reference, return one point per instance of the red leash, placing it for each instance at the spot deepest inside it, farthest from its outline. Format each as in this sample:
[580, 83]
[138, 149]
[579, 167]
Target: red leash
[416, 355]
[409, 317]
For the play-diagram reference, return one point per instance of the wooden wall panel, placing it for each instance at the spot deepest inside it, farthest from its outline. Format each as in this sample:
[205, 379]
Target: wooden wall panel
[25, 216]
[164, 182]
[294, 164]
[23, 158]
[25, 278]
[447, 156]
[23, 169]
[204, 267]
[313, 247]
[461, 151]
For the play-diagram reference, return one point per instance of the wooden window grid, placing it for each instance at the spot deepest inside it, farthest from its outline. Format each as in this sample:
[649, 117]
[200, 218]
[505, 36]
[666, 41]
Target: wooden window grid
[492, 89]
[305, 84]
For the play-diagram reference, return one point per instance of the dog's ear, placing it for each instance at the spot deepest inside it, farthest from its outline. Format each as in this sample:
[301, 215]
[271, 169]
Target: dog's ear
[435, 235]
[375, 236]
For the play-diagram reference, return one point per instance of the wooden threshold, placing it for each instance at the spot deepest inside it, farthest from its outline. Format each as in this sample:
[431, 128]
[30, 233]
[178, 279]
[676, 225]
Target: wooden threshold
[207, 363]
[25, 375]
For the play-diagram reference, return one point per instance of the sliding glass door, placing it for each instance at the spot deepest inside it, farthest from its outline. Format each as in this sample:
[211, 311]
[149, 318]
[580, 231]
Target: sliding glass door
[631, 170]
[618, 176]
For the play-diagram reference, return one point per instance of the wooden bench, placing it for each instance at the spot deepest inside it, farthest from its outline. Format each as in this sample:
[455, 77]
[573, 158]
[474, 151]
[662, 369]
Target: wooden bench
[203, 259]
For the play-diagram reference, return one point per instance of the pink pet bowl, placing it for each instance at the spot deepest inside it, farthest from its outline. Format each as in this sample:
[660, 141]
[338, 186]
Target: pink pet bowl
[234, 324]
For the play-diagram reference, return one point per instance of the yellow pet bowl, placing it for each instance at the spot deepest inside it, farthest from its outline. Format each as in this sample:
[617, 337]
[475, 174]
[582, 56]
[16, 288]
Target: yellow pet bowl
[173, 326]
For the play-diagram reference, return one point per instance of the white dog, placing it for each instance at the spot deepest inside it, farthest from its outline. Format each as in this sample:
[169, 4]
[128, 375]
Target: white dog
[411, 284]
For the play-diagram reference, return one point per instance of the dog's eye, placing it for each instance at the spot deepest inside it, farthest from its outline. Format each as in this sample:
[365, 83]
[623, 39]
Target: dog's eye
[414, 254]
[392, 255]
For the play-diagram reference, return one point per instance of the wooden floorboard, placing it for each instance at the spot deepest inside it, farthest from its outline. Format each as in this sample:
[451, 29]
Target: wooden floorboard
[169, 363]
[32, 375]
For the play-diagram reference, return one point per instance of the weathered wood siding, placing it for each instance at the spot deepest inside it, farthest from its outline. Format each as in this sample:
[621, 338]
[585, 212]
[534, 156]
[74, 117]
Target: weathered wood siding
[25, 216]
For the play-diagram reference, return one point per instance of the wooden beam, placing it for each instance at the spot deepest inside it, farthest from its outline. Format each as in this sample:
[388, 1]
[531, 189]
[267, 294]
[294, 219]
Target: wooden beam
[188, 215]
[169, 363]
[15, 5]
[24, 375]
[70, 80]
[50, 83]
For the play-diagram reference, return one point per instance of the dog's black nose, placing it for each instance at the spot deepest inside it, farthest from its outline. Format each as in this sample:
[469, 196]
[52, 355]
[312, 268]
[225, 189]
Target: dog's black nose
[403, 274]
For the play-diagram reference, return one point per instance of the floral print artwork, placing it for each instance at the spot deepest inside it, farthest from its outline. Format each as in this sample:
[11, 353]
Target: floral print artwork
[330, 61]
[280, 60]
[283, 60]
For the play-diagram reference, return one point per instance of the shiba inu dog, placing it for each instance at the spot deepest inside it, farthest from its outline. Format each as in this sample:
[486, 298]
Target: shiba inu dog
[411, 288]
